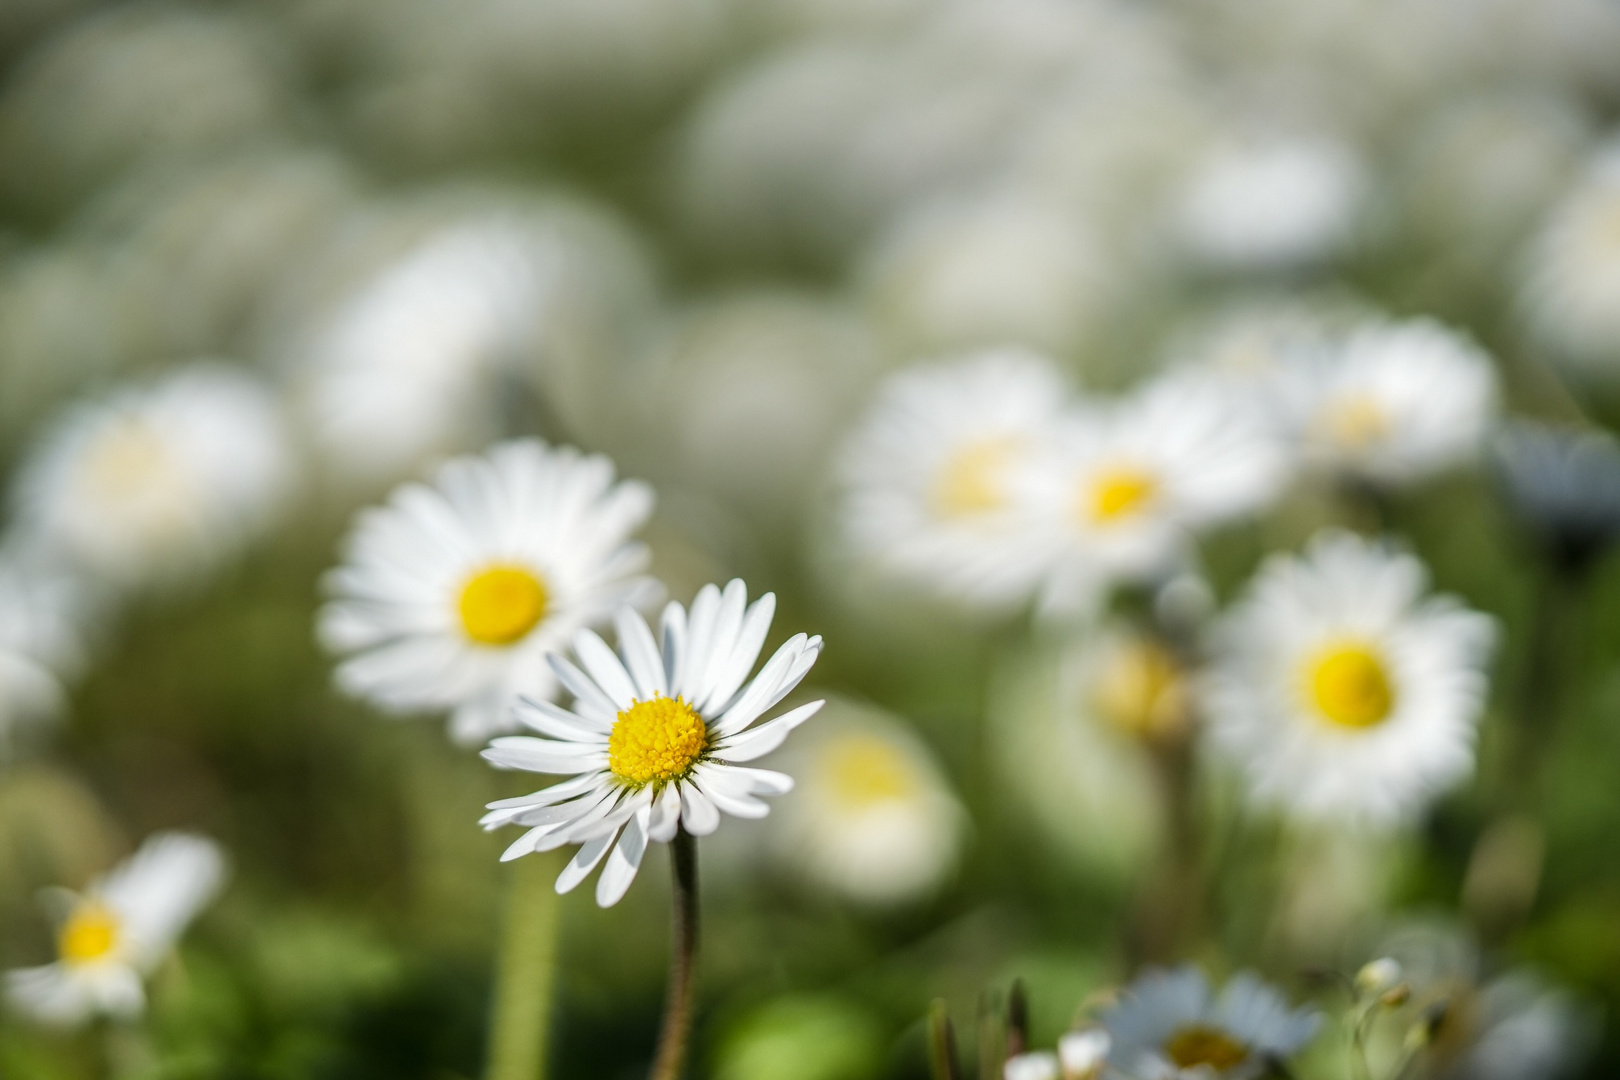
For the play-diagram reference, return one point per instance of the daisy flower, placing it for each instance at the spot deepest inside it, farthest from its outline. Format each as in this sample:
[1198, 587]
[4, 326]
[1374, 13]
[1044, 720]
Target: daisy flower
[158, 481]
[874, 819]
[1571, 291]
[1081, 1055]
[115, 933]
[1171, 1026]
[1125, 485]
[1396, 402]
[451, 595]
[656, 736]
[931, 479]
[41, 612]
[1342, 690]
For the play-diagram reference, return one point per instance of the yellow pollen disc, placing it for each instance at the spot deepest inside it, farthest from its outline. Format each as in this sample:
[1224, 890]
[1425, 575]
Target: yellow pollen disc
[1200, 1044]
[1117, 492]
[1356, 422]
[91, 933]
[971, 481]
[1142, 692]
[1350, 686]
[656, 740]
[127, 460]
[863, 771]
[501, 604]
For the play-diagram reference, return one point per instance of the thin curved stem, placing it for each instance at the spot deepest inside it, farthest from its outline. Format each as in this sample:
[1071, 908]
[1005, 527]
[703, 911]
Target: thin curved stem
[677, 1028]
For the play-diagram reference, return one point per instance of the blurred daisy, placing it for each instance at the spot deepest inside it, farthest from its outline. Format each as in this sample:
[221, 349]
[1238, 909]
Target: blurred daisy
[1564, 484]
[1036, 1065]
[1341, 690]
[1081, 1055]
[1274, 204]
[1395, 402]
[1125, 485]
[451, 595]
[656, 735]
[159, 481]
[1571, 293]
[1132, 682]
[1170, 1026]
[874, 819]
[931, 479]
[115, 933]
[41, 614]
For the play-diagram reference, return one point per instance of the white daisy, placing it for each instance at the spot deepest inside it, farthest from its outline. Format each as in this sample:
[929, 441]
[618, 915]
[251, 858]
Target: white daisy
[874, 819]
[41, 614]
[451, 595]
[931, 478]
[1395, 402]
[1126, 484]
[1035, 1065]
[1170, 1026]
[118, 931]
[158, 481]
[1344, 692]
[1571, 293]
[656, 735]
[1083, 1054]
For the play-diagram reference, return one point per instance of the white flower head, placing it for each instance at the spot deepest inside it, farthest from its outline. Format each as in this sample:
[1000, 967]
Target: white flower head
[1342, 690]
[1083, 1054]
[1036, 1065]
[42, 611]
[1273, 204]
[931, 479]
[158, 481]
[1171, 1026]
[451, 595]
[656, 737]
[1126, 485]
[873, 819]
[1571, 292]
[115, 933]
[1395, 402]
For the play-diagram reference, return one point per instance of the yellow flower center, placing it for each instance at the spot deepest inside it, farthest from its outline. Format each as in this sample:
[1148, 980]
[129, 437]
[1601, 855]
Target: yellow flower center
[127, 460]
[1116, 492]
[91, 933]
[972, 481]
[656, 740]
[1200, 1044]
[500, 604]
[1351, 686]
[1141, 690]
[1356, 421]
[863, 771]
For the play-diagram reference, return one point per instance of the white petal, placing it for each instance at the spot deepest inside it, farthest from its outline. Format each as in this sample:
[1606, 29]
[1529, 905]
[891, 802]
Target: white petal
[666, 815]
[641, 654]
[699, 634]
[544, 755]
[698, 812]
[584, 861]
[622, 865]
[672, 633]
[740, 781]
[734, 668]
[605, 668]
[551, 719]
[589, 700]
[766, 737]
[527, 843]
[727, 624]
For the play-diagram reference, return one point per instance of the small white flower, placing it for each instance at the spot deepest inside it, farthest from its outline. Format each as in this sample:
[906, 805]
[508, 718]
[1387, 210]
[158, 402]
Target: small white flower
[1395, 402]
[1038, 1065]
[158, 481]
[931, 480]
[1127, 484]
[1341, 690]
[1083, 1054]
[450, 596]
[119, 930]
[873, 818]
[1272, 204]
[41, 614]
[1170, 1026]
[1571, 294]
[656, 735]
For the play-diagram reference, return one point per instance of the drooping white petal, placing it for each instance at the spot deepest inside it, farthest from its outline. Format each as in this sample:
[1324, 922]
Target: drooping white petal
[666, 814]
[622, 865]
[698, 812]
[584, 861]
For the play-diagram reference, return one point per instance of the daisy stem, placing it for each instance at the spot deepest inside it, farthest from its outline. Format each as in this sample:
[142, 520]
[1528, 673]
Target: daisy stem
[677, 1027]
[527, 972]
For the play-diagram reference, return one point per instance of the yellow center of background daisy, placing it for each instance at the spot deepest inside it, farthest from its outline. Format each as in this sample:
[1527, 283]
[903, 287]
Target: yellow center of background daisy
[91, 933]
[501, 604]
[656, 740]
[1357, 421]
[1141, 691]
[1117, 492]
[1350, 686]
[1199, 1044]
[128, 459]
[971, 481]
[863, 771]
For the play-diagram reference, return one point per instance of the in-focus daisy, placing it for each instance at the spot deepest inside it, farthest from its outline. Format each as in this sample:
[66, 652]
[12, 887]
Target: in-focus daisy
[116, 932]
[1395, 402]
[656, 736]
[932, 478]
[41, 619]
[1571, 293]
[450, 595]
[1126, 484]
[1564, 484]
[158, 481]
[1343, 691]
[1170, 1026]
[874, 819]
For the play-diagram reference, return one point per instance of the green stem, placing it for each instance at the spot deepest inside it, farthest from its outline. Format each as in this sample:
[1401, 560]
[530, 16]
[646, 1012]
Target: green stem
[527, 973]
[677, 1028]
